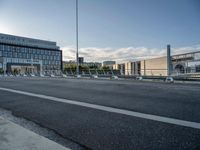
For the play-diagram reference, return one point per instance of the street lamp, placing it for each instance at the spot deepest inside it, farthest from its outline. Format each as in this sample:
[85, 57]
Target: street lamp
[77, 60]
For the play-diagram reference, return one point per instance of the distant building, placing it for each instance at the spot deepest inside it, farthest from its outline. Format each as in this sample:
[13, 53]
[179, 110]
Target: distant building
[132, 68]
[81, 60]
[26, 55]
[129, 68]
[108, 64]
[186, 63]
[154, 67]
[120, 67]
[96, 65]
[68, 64]
[181, 64]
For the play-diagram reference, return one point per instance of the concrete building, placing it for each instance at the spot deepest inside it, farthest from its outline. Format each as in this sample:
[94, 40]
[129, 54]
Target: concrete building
[186, 63]
[132, 68]
[120, 67]
[68, 64]
[29, 56]
[154, 67]
[129, 68]
[180, 64]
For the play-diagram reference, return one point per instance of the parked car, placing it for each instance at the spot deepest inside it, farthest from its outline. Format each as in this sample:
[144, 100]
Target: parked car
[52, 75]
[64, 75]
[114, 77]
[169, 80]
[139, 78]
[32, 75]
[94, 76]
[41, 75]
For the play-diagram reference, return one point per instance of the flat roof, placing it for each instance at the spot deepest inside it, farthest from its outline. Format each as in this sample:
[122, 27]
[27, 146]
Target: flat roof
[25, 41]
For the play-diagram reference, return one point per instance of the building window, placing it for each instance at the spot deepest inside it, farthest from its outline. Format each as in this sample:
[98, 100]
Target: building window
[24, 55]
[5, 54]
[15, 55]
[42, 52]
[40, 56]
[22, 49]
[1, 47]
[198, 68]
[20, 55]
[10, 54]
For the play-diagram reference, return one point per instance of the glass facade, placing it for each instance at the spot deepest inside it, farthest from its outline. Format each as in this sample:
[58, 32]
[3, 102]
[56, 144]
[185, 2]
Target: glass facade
[49, 59]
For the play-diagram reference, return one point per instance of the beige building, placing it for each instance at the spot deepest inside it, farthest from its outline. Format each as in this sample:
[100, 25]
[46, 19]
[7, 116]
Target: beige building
[120, 67]
[154, 67]
[116, 67]
[132, 68]
[129, 68]
[180, 64]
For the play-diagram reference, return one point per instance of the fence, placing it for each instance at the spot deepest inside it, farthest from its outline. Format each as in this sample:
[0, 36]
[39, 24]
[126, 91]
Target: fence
[147, 73]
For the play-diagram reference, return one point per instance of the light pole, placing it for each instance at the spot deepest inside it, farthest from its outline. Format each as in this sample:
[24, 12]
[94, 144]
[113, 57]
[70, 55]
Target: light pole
[77, 60]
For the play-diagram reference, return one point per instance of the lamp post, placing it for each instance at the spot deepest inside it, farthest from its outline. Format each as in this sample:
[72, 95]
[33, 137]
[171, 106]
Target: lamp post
[77, 60]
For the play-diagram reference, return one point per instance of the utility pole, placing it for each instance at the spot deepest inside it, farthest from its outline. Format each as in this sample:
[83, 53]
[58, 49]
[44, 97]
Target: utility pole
[77, 60]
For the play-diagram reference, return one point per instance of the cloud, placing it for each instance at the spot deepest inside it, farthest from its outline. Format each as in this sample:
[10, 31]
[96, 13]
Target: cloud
[120, 55]
[188, 49]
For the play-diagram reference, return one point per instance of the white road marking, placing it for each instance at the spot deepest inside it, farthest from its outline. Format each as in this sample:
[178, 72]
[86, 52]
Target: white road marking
[111, 109]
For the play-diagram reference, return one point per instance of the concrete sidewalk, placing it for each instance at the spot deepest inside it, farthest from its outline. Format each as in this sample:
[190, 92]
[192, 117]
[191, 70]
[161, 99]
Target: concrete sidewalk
[15, 137]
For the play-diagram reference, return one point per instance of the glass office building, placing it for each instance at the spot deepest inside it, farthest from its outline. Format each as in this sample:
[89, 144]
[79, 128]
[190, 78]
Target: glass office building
[29, 56]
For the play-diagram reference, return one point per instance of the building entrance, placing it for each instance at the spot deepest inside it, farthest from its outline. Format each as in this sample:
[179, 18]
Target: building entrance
[23, 68]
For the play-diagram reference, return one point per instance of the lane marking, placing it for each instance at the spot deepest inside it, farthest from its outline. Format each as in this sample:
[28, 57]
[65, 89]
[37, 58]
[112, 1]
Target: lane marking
[111, 109]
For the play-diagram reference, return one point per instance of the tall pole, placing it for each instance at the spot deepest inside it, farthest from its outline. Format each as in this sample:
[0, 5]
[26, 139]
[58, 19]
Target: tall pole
[77, 60]
[168, 60]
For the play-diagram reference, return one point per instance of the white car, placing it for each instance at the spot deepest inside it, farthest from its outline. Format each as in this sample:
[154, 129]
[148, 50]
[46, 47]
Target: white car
[169, 80]
[41, 75]
[10, 75]
[94, 76]
[78, 76]
[32, 75]
[52, 75]
[139, 78]
[114, 77]
[64, 75]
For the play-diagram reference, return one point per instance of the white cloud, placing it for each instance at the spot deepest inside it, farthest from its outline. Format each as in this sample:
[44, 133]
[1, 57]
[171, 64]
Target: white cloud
[122, 54]
[188, 49]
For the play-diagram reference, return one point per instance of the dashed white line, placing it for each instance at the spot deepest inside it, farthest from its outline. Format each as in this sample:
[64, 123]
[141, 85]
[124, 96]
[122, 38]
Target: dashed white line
[110, 109]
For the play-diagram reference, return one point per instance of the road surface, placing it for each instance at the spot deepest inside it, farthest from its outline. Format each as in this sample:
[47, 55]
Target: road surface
[109, 114]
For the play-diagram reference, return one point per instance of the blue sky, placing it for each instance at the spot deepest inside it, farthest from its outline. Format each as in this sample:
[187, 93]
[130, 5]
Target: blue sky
[111, 29]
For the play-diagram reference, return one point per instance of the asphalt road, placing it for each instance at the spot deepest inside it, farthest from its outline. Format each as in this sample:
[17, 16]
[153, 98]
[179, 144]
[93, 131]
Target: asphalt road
[97, 129]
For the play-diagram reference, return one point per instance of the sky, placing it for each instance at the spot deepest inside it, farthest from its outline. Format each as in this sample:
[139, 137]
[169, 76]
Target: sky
[120, 30]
